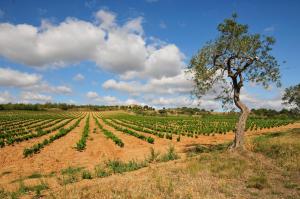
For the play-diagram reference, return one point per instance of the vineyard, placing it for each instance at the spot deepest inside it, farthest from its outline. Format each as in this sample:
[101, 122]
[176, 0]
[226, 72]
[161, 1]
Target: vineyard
[209, 125]
[16, 127]
[47, 142]
[21, 126]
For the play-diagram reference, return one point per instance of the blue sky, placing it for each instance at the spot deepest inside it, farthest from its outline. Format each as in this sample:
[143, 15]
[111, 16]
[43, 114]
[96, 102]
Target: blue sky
[124, 52]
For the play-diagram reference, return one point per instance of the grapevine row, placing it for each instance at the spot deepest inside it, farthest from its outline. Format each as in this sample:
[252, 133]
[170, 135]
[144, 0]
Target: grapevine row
[109, 134]
[36, 148]
[130, 132]
[81, 144]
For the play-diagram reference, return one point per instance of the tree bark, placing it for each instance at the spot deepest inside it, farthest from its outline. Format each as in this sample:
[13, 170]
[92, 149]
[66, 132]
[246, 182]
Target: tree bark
[241, 124]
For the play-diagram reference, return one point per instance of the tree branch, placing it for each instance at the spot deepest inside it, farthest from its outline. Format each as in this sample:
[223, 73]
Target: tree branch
[228, 64]
[249, 62]
[215, 60]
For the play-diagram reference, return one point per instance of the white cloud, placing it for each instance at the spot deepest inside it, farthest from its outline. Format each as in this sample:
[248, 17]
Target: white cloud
[44, 87]
[132, 101]
[29, 81]
[179, 84]
[14, 78]
[166, 61]
[164, 92]
[69, 42]
[148, 69]
[122, 52]
[175, 92]
[171, 102]
[92, 95]
[132, 87]
[253, 101]
[182, 101]
[135, 26]
[28, 97]
[108, 100]
[105, 18]
[119, 48]
[5, 97]
[61, 89]
[208, 102]
[78, 77]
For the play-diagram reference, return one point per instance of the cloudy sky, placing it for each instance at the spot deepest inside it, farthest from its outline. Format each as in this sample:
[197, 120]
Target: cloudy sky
[130, 52]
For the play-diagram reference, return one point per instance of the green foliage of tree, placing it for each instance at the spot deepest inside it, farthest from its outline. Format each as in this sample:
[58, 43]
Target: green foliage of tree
[234, 58]
[292, 97]
[270, 113]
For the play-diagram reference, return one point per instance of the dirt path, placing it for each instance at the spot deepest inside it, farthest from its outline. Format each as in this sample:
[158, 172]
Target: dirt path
[98, 148]
[160, 144]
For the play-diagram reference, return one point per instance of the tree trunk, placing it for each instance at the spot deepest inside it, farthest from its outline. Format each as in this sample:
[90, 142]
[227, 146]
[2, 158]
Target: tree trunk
[241, 124]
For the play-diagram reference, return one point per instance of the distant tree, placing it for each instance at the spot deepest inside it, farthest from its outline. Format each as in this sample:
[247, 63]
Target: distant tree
[163, 111]
[234, 58]
[291, 96]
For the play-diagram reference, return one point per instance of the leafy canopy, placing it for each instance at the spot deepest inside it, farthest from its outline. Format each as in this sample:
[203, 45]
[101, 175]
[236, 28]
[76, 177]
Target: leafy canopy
[235, 57]
[292, 96]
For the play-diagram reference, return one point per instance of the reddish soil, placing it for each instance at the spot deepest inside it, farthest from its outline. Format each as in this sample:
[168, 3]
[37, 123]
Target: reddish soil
[134, 148]
[61, 153]
[13, 161]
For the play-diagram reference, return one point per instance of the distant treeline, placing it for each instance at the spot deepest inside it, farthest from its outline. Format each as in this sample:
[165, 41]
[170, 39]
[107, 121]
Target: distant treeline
[185, 110]
[273, 113]
[262, 112]
[64, 106]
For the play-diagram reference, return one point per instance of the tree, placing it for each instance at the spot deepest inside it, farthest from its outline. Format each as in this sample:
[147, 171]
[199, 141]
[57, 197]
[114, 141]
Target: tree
[163, 111]
[234, 58]
[291, 96]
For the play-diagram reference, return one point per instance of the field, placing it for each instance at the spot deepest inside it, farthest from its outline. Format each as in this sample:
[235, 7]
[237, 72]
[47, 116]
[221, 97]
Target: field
[46, 151]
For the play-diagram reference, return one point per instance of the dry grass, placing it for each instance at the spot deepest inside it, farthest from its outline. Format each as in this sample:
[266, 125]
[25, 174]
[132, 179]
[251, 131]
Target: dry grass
[214, 175]
[284, 148]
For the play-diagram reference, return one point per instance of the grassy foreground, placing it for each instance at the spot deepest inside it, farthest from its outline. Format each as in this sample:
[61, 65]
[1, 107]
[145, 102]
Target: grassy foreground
[270, 169]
